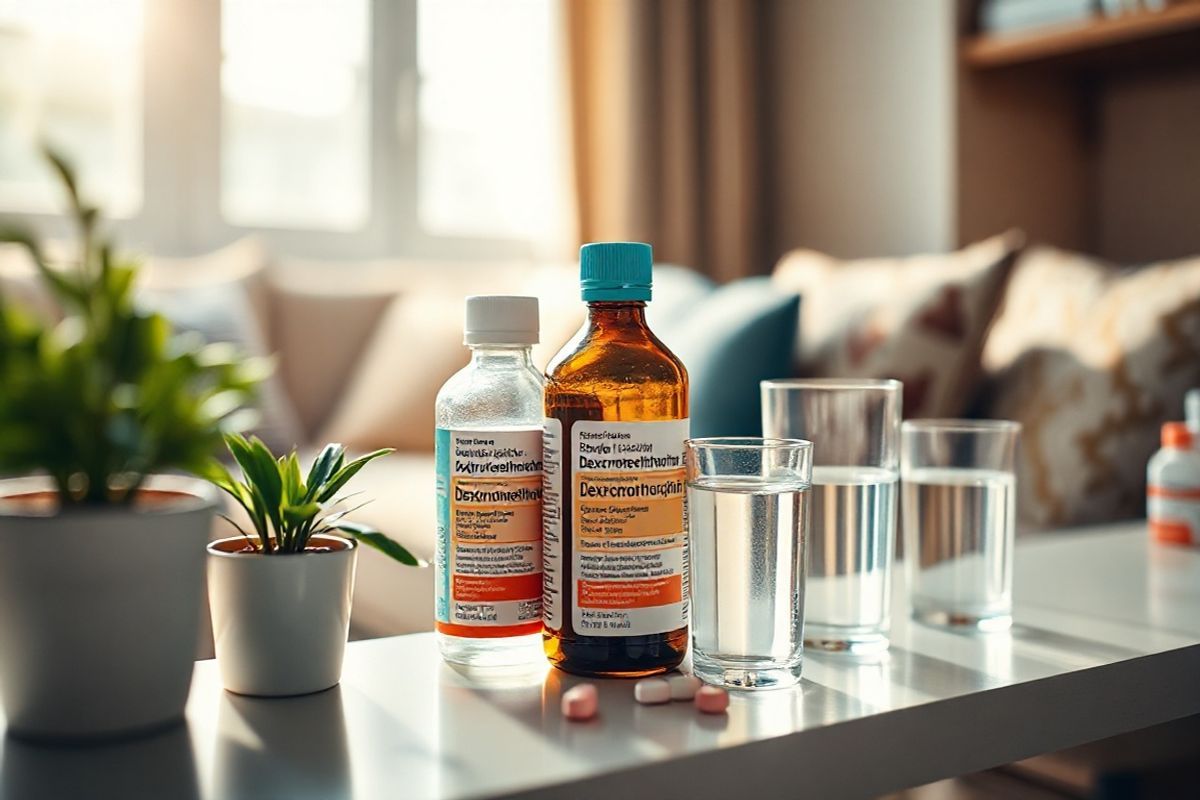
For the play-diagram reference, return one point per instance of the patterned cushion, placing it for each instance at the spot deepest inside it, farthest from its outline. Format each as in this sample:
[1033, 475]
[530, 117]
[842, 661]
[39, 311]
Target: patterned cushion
[1091, 359]
[920, 319]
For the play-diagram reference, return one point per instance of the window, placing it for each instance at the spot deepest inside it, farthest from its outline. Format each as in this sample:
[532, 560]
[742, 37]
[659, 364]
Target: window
[70, 74]
[487, 123]
[336, 128]
[294, 113]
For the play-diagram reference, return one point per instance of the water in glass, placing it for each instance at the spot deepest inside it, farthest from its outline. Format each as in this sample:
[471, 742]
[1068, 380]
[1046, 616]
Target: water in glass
[850, 556]
[747, 573]
[959, 530]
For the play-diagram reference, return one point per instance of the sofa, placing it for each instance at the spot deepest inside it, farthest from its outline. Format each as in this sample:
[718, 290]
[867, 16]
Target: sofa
[1089, 356]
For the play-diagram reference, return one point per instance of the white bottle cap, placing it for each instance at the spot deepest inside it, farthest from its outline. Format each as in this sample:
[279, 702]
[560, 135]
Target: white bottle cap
[1191, 407]
[501, 319]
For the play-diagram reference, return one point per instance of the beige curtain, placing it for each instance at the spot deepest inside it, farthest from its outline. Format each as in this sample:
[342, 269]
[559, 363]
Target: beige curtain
[665, 128]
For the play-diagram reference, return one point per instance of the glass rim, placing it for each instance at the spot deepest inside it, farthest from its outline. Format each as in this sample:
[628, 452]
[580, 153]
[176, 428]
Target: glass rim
[748, 443]
[949, 425]
[832, 384]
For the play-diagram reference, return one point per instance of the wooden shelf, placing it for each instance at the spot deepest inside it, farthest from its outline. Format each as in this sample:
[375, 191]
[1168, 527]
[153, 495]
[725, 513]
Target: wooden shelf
[1095, 37]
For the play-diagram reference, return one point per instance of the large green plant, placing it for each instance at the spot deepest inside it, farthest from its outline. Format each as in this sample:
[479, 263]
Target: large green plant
[287, 508]
[110, 394]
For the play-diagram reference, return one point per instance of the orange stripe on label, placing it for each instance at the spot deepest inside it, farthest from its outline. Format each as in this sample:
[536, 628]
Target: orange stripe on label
[487, 589]
[630, 594]
[1171, 532]
[1173, 494]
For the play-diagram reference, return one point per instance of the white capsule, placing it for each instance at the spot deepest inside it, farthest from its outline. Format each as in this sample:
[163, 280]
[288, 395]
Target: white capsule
[683, 687]
[652, 691]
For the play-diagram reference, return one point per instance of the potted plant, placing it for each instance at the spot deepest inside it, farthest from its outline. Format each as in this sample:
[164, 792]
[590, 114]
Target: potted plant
[101, 552]
[280, 598]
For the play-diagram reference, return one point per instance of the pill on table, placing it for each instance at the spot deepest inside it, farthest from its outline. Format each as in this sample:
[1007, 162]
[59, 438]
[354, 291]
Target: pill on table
[684, 687]
[712, 700]
[580, 702]
[652, 691]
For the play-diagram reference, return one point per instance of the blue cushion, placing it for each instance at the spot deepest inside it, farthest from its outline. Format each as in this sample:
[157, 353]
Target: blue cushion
[731, 339]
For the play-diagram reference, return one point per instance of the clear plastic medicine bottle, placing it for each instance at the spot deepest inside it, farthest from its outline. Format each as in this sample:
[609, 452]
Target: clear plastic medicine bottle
[488, 453]
[1173, 487]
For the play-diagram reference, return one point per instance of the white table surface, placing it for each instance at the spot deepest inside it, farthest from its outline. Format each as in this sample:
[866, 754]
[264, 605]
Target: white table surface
[1106, 640]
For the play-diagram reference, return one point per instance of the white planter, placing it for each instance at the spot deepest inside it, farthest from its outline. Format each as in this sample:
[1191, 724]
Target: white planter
[280, 621]
[100, 608]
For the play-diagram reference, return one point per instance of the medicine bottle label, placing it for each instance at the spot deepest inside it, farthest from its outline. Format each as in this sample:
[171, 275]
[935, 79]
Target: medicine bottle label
[628, 565]
[489, 553]
[552, 578]
[1174, 514]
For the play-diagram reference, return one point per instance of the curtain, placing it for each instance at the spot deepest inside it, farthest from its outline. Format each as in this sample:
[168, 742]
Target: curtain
[666, 128]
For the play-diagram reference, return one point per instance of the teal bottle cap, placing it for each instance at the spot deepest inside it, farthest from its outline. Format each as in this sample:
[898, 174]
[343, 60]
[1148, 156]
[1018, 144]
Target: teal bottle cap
[615, 271]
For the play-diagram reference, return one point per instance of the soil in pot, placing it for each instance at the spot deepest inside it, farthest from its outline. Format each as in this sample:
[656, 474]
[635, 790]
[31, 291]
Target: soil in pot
[248, 547]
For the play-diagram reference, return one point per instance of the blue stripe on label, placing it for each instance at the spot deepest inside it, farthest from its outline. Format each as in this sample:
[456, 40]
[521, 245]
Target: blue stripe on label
[441, 457]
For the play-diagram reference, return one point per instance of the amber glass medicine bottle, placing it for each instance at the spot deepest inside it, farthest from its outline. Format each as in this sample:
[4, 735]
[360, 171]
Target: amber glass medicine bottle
[615, 556]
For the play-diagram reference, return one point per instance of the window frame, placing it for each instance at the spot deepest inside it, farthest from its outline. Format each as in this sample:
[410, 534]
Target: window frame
[181, 149]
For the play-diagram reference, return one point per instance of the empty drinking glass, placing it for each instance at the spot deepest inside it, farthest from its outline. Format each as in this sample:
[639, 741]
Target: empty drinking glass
[855, 429]
[747, 526]
[959, 511]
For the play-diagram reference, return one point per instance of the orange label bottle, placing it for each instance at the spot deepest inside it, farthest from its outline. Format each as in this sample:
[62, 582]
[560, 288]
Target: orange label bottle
[615, 555]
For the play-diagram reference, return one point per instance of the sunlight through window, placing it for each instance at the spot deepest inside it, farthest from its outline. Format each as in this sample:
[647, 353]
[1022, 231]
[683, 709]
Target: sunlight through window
[487, 110]
[295, 114]
[71, 75]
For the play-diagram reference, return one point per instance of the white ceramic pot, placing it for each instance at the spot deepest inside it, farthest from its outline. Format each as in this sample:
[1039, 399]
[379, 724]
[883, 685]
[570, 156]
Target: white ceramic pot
[100, 608]
[280, 622]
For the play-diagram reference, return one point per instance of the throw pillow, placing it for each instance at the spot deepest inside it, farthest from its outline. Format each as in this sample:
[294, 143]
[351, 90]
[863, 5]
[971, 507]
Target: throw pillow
[1091, 359]
[415, 348]
[389, 400]
[326, 312]
[329, 329]
[920, 319]
[729, 341]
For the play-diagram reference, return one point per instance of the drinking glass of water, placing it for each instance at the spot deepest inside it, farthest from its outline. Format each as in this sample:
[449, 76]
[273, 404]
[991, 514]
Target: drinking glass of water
[855, 429]
[959, 510]
[747, 527]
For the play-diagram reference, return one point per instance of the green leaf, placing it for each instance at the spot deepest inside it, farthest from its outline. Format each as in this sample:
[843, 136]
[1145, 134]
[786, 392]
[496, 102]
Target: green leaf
[222, 404]
[262, 476]
[215, 472]
[67, 175]
[324, 465]
[389, 547]
[293, 487]
[297, 516]
[262, 516]
[347, 472]
[269, 477]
